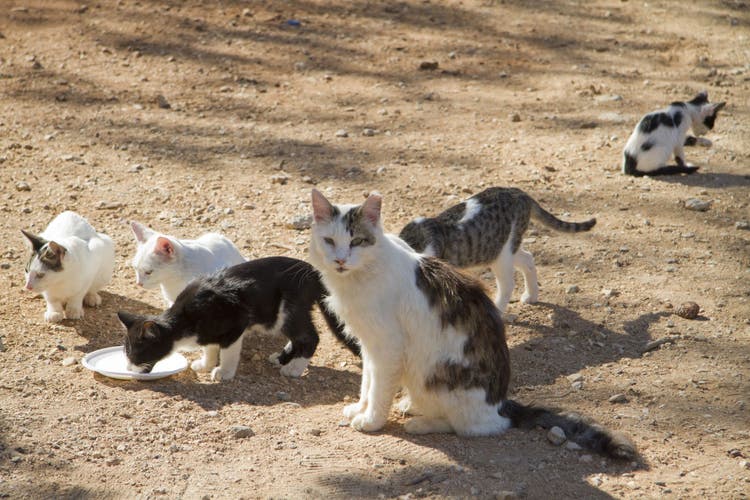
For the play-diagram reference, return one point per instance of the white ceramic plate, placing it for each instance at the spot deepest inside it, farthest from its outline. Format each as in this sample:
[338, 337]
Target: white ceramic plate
[112, 362]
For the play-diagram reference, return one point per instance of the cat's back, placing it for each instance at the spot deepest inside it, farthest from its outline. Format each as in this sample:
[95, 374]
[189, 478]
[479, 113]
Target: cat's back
[69, 224]
[218, 246]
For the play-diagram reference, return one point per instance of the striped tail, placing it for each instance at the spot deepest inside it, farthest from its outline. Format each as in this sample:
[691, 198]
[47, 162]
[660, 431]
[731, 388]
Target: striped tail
[586, 434]
[546, 218]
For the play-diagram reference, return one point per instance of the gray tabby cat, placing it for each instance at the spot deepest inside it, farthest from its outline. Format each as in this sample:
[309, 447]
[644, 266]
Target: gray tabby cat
[487, 229]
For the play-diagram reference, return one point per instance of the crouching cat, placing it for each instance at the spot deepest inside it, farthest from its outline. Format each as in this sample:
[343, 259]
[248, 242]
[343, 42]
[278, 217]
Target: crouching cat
[170, 263]
[661, 134]
[427, 327]
[487, 229]
[70, 262]
[274, 294]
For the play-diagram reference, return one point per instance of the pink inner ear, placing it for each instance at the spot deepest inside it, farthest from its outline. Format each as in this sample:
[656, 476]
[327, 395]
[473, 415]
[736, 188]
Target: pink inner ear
[164, 246]
[322, 208]
[371, 207]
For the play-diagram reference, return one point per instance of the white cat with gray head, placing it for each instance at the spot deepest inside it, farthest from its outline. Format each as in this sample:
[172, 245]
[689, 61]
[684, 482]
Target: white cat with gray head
[424, 326]
[661, 134]
[171, 263]
[69, 264]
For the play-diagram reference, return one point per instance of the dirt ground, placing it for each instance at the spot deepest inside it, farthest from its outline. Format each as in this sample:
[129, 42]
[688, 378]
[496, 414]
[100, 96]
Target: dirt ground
[194, 116]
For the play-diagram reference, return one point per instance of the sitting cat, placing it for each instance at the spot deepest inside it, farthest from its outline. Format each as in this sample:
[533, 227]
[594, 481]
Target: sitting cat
[166, 261]
[69, 264]
[487, 229]
[427, 327]
[270, 294]
[663, 133]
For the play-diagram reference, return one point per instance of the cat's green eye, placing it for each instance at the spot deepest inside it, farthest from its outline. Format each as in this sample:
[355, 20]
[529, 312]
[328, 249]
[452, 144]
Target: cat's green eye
[147, 273]
[356, 242]
[329, 241]
[40, 275]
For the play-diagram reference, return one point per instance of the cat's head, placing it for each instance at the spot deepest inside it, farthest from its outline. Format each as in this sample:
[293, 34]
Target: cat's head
[46, 263]
[146, 341]
[706, 113]
[345, 238]
[154, 258]
[415, 235]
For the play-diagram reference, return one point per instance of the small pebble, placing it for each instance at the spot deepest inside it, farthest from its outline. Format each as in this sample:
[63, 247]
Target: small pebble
[212, 413]
[572, 289]
[283, 396]
[241, 431]
[575, 377]
[368, 132]
[162, 102]
[315, 432]
[70, 360]
[23, 186]
[573, 446]
[515, 117]
[697, 205]
[742, 224]
[618, 398]
[688, 310]
[281, 178]
[300, 222]
[556, 436]
[609, 293]
[342, 133]
[428, 65]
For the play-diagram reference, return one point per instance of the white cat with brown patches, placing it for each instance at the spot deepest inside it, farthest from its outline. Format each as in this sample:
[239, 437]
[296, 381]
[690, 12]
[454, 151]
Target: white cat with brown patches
[69, 264]
[171, 263]
[426, 327]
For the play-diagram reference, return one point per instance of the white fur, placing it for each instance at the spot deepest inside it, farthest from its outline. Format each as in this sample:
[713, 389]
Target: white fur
[87, 267]
[190, 259]
[402, 337]
[473, 207]
[668, 141]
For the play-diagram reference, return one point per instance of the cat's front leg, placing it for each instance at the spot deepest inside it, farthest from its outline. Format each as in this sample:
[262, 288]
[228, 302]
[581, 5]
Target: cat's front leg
[679, 155]
[74, 308]
[385, 380]
[54, 312]
[92, 299]
[209, 359]
[354, 409]
[229, 358]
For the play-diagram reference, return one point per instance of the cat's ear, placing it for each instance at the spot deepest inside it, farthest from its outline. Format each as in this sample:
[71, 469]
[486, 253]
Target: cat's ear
[719, 105]
[371, 208]
[37, 242]
[322, 208]
[141, 232]
[126, 318]
[164, 247]
[57, 249]
[149, 329]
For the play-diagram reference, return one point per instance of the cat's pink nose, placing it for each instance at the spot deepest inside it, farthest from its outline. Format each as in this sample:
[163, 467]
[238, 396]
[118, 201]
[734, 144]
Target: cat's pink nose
[29, 286]
[340, 262]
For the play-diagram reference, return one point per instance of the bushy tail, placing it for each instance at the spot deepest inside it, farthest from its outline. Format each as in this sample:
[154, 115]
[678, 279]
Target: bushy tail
[338, 329]
[546, 218]
[582, 432]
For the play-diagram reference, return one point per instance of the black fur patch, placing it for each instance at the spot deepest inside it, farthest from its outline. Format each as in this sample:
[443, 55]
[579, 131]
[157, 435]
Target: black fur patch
[631, 164]
[677, 119]
[699, 100]
[647, 145]
[651, 122]
[679, 104]
[709, 121]
[691, 140]
[462, 303]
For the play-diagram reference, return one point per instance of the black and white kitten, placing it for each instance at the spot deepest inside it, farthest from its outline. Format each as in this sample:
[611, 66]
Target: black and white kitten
[661, 134]
[274, 294]
[425, 326]
[487, 229]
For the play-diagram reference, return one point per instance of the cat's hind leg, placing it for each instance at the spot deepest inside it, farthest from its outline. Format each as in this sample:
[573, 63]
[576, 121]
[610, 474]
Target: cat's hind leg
[92, 299]
[74, 307]
[209, 359]
[470, 415]
[229, 358]
[427, 425]
[503, 270]
[303, 340]
[524, 261]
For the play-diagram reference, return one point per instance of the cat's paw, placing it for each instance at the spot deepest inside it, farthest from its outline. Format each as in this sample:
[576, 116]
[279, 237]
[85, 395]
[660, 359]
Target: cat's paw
[53, 316]
[274, 358]
[529, 298]
[295, 368]
[74, 312]
[200, 365]
[217, 374]
[702, 141]
[406, 406]
[92, 300]
[352, 410]
[366, 422]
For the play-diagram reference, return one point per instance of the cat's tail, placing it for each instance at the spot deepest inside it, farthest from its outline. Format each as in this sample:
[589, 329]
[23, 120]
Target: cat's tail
[586, 434]
[338, 329]
[546, 218]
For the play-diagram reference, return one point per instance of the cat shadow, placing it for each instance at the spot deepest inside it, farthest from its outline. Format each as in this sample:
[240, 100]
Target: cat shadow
[572, 343]
[707, 180]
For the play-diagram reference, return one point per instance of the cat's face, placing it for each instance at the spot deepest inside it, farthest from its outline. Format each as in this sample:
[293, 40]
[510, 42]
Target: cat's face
[707, 113]
[145, 342]
[45, 264]
[345, 237]
[154, 259]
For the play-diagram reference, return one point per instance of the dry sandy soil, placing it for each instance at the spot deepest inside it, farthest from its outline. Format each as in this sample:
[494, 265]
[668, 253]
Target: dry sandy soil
[247, 96]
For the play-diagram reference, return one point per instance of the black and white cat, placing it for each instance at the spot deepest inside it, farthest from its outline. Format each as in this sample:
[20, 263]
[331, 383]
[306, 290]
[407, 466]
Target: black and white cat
[274, 294]
[661, 134]
[171, 263]
[427, 327]
[487, 229]
[70, 262]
